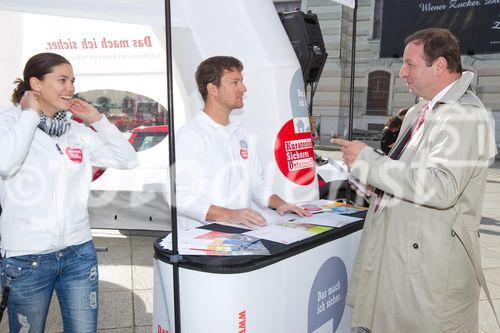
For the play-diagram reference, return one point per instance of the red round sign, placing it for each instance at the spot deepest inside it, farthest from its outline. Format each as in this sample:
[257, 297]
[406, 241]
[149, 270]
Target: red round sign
[293, 151]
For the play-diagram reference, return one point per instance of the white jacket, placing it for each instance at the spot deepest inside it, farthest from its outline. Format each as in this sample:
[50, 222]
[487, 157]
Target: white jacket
[216, 165]
[45, 181]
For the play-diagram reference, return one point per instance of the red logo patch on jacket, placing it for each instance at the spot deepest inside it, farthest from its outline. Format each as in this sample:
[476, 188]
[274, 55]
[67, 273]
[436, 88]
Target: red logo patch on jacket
[243, 149]
[74, 154]
[244, 153]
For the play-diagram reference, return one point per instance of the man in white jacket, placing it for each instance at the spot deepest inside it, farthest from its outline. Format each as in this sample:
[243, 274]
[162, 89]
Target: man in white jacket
[218, 172]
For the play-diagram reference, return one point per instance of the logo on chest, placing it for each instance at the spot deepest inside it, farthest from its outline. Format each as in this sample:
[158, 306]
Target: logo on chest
[243, 149]
[74, 154]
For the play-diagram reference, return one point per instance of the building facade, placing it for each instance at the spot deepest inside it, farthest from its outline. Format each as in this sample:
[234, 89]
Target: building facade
[378, 90]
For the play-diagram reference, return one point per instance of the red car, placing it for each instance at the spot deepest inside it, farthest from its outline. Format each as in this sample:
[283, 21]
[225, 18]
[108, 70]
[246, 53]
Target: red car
[145, 137]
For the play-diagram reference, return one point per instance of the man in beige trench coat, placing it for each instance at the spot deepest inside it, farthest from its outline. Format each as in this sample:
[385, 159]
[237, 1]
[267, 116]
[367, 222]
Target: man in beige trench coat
[418, 268]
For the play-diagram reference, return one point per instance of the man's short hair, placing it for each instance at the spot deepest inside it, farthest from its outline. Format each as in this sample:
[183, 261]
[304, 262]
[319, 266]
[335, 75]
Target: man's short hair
[212, 69]
[438, 42]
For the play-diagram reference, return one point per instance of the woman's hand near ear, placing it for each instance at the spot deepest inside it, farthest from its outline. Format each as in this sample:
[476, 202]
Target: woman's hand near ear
[84, 111]
[30, 101]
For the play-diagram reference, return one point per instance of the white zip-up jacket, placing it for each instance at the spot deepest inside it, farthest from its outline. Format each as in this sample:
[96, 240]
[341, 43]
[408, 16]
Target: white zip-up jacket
[216, 165]
[45, 181]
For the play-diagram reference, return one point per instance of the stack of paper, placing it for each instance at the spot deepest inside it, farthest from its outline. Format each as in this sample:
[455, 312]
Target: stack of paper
[286, 229]
[287, 232]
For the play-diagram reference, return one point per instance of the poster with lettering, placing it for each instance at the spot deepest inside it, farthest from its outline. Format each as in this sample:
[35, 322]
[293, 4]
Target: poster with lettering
[327, 297]
[94, 46]
[293, 151]
[476, 23]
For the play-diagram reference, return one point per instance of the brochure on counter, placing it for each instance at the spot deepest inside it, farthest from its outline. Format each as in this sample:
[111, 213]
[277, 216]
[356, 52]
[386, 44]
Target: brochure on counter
[285, 229]
[214, 243]
[337, 207]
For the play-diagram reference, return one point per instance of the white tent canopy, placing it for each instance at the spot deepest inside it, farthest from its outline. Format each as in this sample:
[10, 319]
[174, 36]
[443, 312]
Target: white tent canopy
[247, 29]
[147, 12]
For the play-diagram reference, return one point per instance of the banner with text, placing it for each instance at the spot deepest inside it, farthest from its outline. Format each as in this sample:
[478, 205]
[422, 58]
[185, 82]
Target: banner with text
[476, 23]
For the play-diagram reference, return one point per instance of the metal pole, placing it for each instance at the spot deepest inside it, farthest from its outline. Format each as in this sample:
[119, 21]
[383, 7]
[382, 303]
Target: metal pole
[351, 92]
[353, 68]
[171, 157]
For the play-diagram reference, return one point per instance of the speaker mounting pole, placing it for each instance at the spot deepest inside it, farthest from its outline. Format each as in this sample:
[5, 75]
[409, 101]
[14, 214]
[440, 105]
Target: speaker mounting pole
[353, 69]
[351, 88]
[175, 258]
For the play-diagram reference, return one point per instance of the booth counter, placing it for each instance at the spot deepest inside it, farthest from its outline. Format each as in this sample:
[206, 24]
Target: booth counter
[300, 287]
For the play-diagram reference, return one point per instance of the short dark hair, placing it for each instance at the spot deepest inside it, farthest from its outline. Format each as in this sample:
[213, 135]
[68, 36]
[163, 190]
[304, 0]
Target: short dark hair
[394, 122]
[212, 69]
[438, 42]
[37, 66]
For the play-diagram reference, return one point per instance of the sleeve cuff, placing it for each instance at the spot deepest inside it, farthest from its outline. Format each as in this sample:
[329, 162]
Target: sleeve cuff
[202, 212]
[101, 124]
[263, 199]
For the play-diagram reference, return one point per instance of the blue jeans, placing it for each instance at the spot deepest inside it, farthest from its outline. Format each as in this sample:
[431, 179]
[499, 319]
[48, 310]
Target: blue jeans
[72, 272]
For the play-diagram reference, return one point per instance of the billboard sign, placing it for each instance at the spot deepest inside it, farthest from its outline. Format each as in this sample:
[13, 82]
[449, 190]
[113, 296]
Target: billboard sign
[476, 23]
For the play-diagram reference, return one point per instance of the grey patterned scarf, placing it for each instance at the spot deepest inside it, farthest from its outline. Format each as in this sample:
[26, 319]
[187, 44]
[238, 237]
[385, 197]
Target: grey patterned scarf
[56, 126]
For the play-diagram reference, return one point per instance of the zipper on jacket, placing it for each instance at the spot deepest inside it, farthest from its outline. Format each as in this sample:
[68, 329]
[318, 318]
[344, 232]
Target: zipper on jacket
[60, 223]
[59, 149]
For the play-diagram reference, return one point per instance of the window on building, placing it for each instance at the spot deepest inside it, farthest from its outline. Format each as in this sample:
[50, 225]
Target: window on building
[378, 92]
[286, 6]
[377, 18]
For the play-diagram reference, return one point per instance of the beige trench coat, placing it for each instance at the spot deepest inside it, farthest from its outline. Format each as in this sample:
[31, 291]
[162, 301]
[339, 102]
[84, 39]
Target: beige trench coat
[412, 273]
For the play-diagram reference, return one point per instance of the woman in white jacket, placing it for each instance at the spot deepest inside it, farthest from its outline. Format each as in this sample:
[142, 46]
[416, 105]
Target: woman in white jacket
[45, 175]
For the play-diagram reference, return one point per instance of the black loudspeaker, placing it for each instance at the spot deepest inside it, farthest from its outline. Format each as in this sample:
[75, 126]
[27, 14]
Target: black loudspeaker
[305, 34]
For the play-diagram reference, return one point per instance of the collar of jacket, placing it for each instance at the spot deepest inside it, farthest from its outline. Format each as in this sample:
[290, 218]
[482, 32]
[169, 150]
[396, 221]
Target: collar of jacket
[205, 118]
[458, 90]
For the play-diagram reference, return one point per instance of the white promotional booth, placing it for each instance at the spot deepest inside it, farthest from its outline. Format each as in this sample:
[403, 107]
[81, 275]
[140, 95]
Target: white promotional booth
[300, 287]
